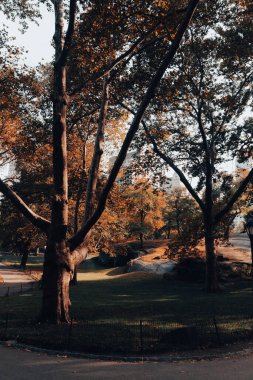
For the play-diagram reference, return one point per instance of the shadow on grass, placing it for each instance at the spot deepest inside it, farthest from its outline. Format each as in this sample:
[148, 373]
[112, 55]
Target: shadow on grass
[145, 296]
[107, 312]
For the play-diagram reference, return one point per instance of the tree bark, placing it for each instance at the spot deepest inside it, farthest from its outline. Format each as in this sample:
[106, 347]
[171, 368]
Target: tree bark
[251, 248]
[57, 273]
[58, 266]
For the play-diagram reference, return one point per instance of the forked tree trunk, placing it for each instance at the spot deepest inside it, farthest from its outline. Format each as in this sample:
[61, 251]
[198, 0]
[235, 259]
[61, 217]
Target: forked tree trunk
[58, 270]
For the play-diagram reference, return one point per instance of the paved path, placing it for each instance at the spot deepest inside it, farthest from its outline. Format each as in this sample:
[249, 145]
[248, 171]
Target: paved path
[22, 365]
[13, 278]
[240, 241]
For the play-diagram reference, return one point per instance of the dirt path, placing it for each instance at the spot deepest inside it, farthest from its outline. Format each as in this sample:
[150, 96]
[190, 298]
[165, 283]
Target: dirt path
[234, 253]
[15, 280]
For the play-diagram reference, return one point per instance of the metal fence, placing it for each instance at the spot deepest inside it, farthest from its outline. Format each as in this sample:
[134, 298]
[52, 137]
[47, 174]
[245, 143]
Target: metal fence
[110, 336]
[18, 288]
[143, 337]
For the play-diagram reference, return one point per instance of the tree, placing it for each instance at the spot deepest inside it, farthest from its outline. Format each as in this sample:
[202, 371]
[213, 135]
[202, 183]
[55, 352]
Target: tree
[242, 205]
[183, 217]
[202, 125]
[63, 253]
[144, 210]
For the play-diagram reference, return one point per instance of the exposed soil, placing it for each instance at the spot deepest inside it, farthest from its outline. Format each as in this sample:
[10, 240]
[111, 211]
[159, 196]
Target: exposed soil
[233, 254]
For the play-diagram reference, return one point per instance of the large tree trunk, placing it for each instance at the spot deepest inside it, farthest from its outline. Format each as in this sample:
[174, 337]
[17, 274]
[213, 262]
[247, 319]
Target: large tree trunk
[58, 270]
[58, 266]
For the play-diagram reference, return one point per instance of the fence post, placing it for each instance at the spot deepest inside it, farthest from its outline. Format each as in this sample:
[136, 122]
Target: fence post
[141, 336]
[6, 324]
[8, 291]
[217, 331]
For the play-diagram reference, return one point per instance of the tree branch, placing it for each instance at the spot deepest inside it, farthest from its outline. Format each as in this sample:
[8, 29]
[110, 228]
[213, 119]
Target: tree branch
[234, 197]
[176, 169]
[77, 239]
[36, 220]
[98, 151]
[108, 68]
[169, 161]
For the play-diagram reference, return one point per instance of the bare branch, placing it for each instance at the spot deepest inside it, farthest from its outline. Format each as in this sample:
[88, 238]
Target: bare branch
[36, 220]
[83, 116]
[108, 68]
[176, 169]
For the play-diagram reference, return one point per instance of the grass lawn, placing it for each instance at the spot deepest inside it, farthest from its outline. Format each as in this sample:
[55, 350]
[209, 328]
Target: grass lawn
[110, 294]
[117, 299]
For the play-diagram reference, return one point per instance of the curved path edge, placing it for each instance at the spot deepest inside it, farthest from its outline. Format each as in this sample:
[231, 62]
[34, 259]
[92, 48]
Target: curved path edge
[242, 352]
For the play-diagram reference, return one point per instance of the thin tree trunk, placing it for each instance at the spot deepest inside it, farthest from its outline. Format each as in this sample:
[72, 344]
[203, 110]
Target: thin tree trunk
[226, 234]
[141, 240]
[211, 267]
[168, 231]
[209, 224]
[251, 248]
[77, 206]
[24, 258]
[97, 154]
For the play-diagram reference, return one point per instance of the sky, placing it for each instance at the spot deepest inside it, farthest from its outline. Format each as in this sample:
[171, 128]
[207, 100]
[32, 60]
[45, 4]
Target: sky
[36, 40]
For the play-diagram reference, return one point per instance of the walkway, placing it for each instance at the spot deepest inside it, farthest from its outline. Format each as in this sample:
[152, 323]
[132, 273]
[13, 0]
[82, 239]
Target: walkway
[15, 281]
[22, 365]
